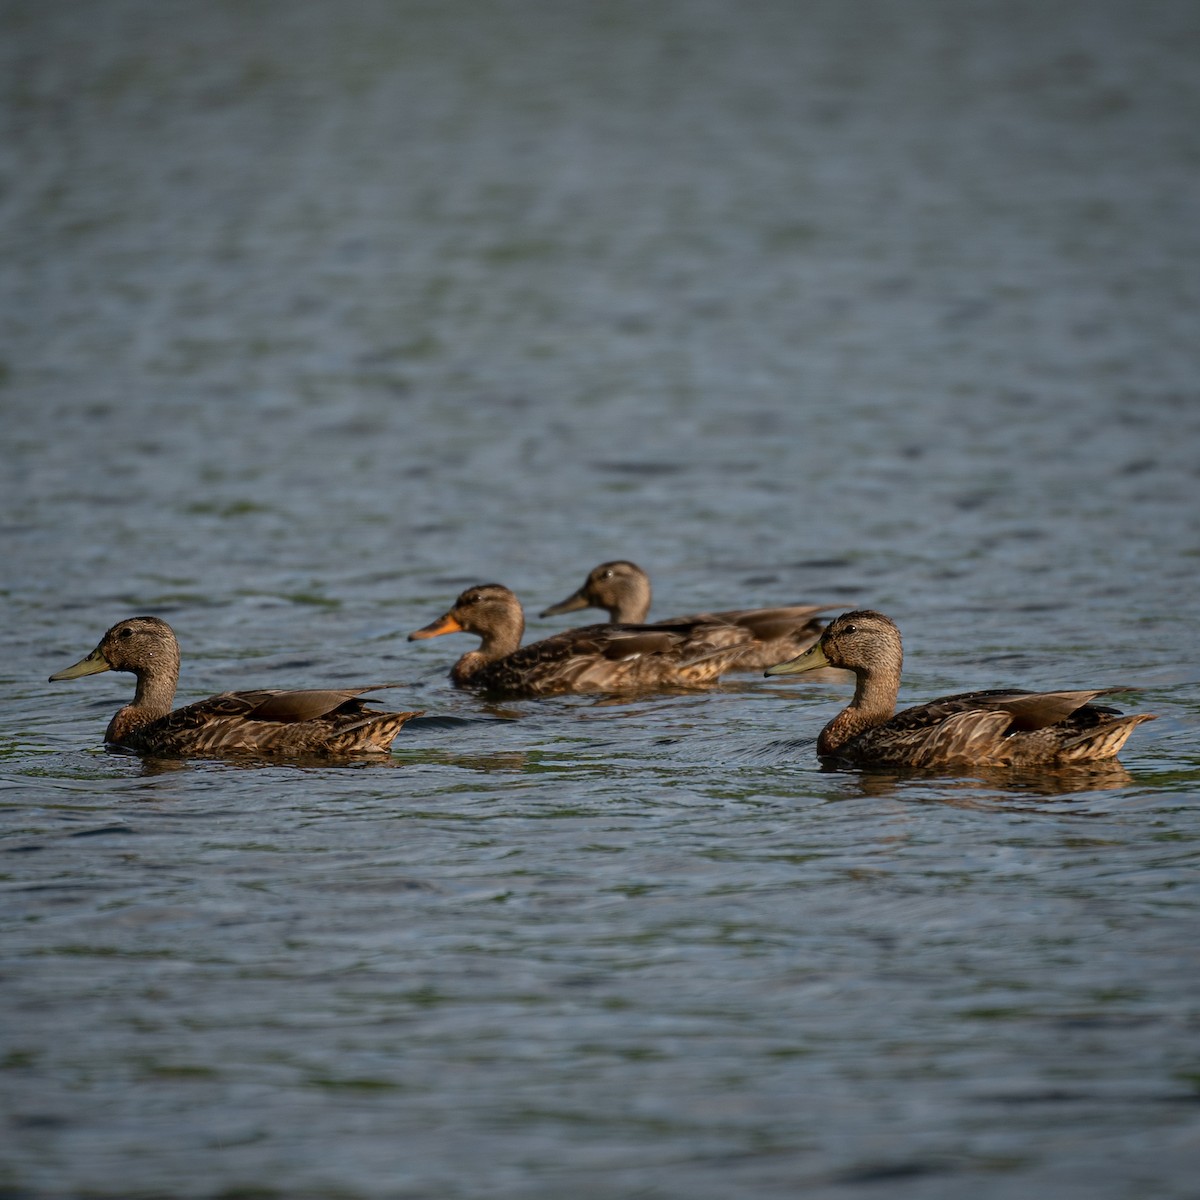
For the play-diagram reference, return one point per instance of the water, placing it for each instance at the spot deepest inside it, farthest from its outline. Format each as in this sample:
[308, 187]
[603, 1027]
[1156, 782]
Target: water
[315, 314]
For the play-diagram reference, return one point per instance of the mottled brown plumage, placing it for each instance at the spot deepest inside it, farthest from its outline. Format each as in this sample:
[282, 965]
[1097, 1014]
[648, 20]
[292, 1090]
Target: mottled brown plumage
[1001, 727]
[622, 589]
[326, 721]
[595, 658]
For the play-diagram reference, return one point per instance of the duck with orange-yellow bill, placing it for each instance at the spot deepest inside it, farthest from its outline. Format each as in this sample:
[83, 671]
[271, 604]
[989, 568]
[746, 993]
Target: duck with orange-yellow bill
[594, 658]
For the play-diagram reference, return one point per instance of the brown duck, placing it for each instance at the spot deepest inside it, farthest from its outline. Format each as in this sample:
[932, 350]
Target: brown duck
[595, 658]
[623, 589]
[999, 728]
[331, 721]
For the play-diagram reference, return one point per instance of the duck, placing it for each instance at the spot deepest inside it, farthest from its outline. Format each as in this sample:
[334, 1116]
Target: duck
[1001, 727]
[622, 588]
[593, 658]
[321, 722]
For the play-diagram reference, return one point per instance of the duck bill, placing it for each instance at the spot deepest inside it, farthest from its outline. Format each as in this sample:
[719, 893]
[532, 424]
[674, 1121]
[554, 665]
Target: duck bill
[447, 624]
[572, 603]
[810, 660]
[93, 664]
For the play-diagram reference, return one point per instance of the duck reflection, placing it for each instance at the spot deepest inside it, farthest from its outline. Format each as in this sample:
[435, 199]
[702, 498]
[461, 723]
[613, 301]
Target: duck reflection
[987, 786]
[516, 761]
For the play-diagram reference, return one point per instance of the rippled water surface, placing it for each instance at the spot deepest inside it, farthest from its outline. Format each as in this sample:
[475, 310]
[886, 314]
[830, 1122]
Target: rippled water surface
[314, 314]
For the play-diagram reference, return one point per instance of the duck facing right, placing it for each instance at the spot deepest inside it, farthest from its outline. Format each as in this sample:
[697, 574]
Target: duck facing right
[1002, 727]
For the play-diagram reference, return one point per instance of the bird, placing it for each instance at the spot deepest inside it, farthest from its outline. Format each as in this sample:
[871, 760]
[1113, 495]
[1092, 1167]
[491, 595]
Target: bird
[1001, 727]
[622, 588]
[594, 658]
[321, 722]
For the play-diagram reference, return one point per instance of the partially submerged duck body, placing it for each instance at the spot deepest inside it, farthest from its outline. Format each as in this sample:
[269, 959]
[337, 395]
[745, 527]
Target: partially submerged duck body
[326, 721]
[1003, 727]
[622, 589]
[595, 658]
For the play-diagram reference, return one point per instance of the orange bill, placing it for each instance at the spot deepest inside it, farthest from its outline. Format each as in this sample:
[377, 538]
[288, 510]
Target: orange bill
[446, 624]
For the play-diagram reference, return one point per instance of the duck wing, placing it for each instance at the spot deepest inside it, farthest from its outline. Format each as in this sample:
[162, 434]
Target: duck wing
[274, 721]
[764, 624]
[684, 642]
[288, 707]
[301, 705]
[686, 654]
[604, 658]
[776, 634]
[996, 725]
[1027, 711]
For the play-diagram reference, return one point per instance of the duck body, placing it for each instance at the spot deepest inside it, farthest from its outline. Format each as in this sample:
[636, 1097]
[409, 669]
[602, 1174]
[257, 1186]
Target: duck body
[622, 588]
[594, 658]
[1000, 727]
[325, 721]
[331, 722]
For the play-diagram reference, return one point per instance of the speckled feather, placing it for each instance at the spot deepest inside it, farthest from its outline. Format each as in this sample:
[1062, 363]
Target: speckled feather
[269, 723]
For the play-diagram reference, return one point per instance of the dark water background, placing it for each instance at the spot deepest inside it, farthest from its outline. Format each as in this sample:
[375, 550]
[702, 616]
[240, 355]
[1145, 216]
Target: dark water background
[314, 313]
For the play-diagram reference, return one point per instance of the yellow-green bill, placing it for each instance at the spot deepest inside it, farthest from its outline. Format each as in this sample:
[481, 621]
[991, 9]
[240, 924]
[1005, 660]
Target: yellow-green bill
[812, 658]
[93, 664]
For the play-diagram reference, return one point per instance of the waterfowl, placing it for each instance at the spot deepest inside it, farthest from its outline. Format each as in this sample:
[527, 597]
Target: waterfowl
[622, 589]
[1001, 727]
[329, 721]
[595, 658]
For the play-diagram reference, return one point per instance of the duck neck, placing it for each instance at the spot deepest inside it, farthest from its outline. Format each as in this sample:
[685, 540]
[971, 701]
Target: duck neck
[630, 609]
[874, 702]
[470, 664]
[151, 700]
[497, 644]
[499, 640]
[633, 602]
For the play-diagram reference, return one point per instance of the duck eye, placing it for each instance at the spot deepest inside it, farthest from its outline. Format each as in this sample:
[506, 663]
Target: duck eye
[849, 628]
[126, 632]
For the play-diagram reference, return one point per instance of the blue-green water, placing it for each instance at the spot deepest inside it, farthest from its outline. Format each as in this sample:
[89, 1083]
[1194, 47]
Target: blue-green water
[314, 314]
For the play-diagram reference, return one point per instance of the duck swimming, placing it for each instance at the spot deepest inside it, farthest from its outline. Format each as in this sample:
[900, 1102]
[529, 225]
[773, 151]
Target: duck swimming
[1000, 728]
[622, 588]
[332, 721]
[595, 658]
